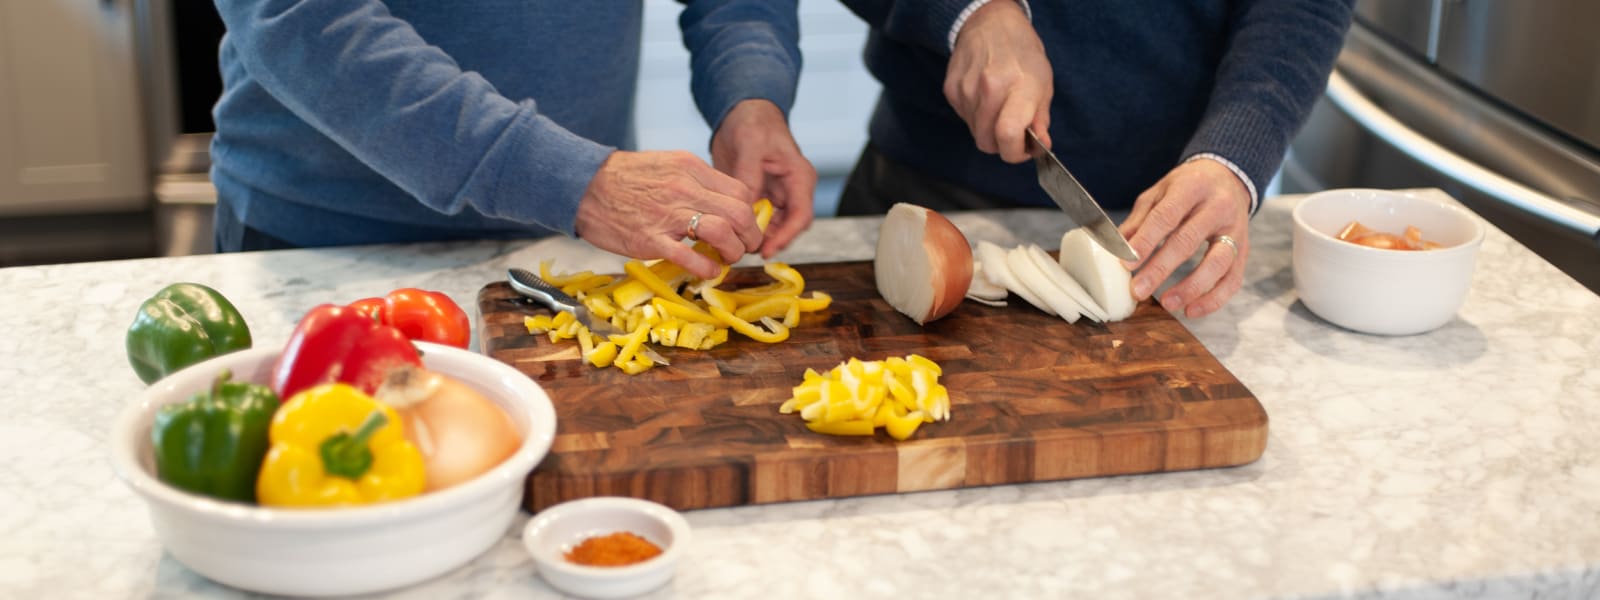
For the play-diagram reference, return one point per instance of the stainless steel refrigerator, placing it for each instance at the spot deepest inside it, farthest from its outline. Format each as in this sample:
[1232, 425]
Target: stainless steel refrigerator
[1497, 102]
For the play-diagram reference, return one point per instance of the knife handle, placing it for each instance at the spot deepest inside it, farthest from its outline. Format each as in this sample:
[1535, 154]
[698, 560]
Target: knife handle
[534, 287]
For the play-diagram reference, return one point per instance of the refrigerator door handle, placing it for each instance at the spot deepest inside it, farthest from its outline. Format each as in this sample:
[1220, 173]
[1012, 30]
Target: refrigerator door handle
[1382, 124]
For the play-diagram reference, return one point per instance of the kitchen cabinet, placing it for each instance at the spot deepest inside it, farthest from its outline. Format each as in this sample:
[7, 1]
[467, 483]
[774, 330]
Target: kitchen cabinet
[71, 140]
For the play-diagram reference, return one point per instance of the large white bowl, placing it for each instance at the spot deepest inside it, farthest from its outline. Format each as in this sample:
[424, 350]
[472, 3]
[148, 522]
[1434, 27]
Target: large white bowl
[1384, 292]
[335, 551]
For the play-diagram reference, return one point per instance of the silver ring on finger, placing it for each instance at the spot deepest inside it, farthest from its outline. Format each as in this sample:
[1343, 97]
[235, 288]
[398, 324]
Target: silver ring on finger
[1224, 239]
[694, 226]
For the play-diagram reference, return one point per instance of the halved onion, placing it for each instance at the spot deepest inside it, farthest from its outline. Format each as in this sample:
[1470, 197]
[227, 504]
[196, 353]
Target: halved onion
[1100, 272]
[923, 264]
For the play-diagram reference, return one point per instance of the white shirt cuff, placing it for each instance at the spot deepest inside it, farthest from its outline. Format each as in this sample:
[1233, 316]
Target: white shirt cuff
[966, 13]
[1249, 186]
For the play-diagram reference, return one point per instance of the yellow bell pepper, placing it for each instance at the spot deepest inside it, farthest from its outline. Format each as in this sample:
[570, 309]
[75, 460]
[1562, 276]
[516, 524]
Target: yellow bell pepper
[335, 446]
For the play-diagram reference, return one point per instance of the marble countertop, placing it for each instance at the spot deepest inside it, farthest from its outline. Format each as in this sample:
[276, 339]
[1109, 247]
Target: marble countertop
[1460, 463]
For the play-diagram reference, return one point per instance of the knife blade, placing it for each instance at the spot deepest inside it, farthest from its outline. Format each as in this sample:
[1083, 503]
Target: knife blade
[537, 289]
[1062, 187]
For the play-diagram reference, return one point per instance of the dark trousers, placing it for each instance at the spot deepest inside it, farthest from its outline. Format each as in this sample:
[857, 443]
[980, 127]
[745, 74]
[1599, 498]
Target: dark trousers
[878, 182]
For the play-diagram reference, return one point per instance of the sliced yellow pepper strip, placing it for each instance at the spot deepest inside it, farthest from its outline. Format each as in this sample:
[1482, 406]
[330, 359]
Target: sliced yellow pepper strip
[776, 306]
[816, 302]
[603, 354]
[778, 334]
[630, 344]
[856, 427]
[647, 277]
[691, 313]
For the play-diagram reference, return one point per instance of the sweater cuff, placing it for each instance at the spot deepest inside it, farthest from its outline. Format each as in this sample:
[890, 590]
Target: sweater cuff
[536, 172]
[1249, 186]
[966, 13]
[1249, 141]
[728, 81]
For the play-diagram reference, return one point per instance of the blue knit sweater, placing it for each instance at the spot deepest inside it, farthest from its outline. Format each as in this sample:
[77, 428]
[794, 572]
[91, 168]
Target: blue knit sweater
[367, 121]
[1139, 86]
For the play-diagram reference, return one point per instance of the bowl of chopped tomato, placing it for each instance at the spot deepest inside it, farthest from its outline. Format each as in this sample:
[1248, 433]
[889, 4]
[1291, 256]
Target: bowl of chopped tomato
[606, 547]
[1384, 262]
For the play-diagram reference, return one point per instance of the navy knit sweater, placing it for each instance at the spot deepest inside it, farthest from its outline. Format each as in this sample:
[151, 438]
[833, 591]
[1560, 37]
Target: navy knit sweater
[1139, 86]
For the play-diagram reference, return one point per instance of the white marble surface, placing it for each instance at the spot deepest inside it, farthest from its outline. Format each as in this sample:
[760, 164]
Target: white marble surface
[1460, 463]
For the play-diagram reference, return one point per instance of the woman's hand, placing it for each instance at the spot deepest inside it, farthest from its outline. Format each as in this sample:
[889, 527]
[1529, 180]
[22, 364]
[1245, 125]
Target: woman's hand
[754, 145]
[1199, 201]
[640, 205]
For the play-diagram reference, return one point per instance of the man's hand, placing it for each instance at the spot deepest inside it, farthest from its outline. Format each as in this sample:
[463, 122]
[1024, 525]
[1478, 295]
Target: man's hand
[1196, 202]
[639, 204]
[999, 80]
[754, 145]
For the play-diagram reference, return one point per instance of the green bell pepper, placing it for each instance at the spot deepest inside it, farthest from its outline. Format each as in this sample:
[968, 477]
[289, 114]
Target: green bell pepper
[213, 444]
[183, 324]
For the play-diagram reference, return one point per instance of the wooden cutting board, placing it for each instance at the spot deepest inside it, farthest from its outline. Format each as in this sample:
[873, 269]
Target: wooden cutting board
[1034, 398]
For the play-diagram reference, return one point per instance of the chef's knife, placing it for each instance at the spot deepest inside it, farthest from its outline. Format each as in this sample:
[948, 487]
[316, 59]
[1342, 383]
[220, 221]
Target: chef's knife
[1062, 187]
[539, 290]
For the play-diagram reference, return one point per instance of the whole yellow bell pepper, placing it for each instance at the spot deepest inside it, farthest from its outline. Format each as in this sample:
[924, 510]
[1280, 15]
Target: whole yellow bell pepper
[333, 445]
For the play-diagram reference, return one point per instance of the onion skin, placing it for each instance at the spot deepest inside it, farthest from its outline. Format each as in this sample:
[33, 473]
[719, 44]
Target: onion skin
[915, 242]
[460, 433]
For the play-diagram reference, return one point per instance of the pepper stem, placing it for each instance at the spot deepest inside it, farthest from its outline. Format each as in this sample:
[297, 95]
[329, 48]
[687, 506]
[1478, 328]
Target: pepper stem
[347, 455]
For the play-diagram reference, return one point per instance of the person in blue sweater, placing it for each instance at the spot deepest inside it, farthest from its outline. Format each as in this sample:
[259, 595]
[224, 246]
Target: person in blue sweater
[1178, 112]
[377, 121]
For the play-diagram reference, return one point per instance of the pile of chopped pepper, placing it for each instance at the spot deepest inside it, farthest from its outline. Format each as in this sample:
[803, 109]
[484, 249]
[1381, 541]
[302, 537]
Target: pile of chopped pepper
[857, 397]
[662, 303]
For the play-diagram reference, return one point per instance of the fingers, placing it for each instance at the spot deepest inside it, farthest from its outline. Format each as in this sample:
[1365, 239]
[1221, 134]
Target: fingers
[639, 204]
[794, 213]
[1010, 137]
[727, 204]
[685, 256]
[1219, 295]
[1218, 261]
[1188, 208]
[999, 80]
[1158, 238]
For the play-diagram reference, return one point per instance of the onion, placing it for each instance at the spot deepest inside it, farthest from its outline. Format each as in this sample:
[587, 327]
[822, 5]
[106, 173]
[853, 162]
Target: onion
[1029, 274]
[1101, 273]
[923, 265]
[1065, 283]
[460, 433]
[984, 290]
[996, 269]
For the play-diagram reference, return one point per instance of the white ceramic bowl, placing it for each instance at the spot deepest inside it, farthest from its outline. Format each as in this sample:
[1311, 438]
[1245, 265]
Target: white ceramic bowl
[555, 530]
[335, 551]
[1384, 292]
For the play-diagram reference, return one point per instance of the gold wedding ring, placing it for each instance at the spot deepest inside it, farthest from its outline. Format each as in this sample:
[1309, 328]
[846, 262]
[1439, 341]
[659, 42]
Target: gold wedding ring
[1223, 239]
[694, 226]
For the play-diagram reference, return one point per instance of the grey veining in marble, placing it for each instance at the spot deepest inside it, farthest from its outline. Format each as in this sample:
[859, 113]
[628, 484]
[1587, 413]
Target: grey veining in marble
[1459, 463]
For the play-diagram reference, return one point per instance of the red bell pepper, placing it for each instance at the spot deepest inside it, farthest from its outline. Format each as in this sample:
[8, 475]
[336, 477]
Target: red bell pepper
[340, 344]
[421, 315]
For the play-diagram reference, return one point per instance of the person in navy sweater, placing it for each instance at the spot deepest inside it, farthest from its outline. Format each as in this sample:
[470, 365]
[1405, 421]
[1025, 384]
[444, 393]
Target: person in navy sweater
[1177, 111]
[374, 121]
